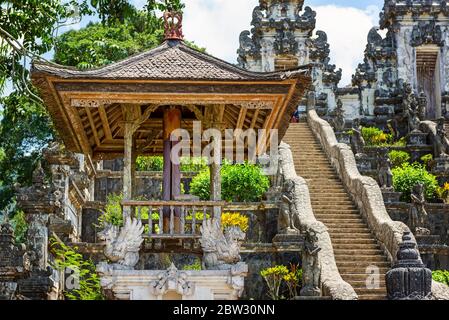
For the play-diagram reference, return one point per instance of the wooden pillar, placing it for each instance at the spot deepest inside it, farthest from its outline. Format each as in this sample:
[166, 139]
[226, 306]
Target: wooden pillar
[172, 177]
[215, 181]
[134, 169]
[127, 165]
[171, 184]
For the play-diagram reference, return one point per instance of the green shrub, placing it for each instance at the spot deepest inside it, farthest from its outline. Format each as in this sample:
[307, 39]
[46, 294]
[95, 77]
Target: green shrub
[409, 175]
[149, 163]
[157, 164]
[400, 143]
[427, 160]
[441, 276]
[194, 266]
[193, 164]
[239, 183]
[398, 158]
[66, 257]
[376, 137]
[20, 226]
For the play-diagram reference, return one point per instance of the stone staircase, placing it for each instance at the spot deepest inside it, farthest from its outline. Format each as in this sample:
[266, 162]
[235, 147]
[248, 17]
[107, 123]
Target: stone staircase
[354, 246]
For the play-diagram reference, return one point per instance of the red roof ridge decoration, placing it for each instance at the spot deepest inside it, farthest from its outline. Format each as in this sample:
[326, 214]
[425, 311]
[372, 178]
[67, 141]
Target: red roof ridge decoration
[173, 25]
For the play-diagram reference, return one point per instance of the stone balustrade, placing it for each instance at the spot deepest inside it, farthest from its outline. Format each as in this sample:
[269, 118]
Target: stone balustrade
[332, 283]
[365, 192]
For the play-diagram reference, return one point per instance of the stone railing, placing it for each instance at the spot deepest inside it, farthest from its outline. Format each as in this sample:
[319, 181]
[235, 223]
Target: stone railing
[332, 283]
[366, 193]
[364, 190]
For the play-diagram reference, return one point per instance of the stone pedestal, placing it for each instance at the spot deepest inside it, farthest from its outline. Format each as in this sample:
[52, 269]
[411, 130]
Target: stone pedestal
[174, 284]
[343, 137]
[282, 240]
[416, 138]
[409, 279]
[390, 196]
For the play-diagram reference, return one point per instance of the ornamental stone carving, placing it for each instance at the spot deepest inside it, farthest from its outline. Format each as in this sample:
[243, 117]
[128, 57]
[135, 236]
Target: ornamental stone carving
[426, 33]
[409, 279]
[311, 265]
[288, 213]
[384, 170]
[338, 120]
[172, 280]
[221, 250]
[357, 140]
[418, 217]
[122, 245]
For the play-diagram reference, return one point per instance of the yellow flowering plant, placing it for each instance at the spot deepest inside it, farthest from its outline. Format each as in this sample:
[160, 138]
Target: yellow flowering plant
[443, 192]
[236, 219]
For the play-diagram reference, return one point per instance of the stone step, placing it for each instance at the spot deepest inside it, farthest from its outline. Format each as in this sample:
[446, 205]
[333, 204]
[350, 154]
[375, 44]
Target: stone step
[323, 216]
[380, 292]
[354, 241]
[348, 230]
[342, 221]
[353, 252]
[337, 202]
[360, 266]
[372, 297]
[351, 237]
[336, 210]
[352, 246]
[360, 277]
[361, 284]
[333, 206]
[359, 257]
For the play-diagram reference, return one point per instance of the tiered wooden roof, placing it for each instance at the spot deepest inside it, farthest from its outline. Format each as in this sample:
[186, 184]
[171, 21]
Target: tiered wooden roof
[89, 108]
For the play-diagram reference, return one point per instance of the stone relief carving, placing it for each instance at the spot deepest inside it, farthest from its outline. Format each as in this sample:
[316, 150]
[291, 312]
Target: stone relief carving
[410, 106]
[418, 217]
[320, 49]
[287, 218]
[357, 140]
[311, 265]
[221, 250]
[439, 143]
[384, 169]
[338, 120]
[122, 245]
[172, 280]
[426, 33]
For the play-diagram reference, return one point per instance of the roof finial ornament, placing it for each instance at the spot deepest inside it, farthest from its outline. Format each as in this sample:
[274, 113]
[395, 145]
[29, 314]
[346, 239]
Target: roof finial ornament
[173, 25]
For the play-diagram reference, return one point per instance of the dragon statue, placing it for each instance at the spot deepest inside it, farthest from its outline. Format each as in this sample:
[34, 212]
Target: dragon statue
[221, 249]
[122, 244]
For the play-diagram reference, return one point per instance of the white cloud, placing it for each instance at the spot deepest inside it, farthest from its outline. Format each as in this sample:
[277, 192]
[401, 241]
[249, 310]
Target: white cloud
[347, 30]
[216, 25]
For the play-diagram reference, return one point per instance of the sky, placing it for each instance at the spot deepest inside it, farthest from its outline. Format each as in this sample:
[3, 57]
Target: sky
[216, 25]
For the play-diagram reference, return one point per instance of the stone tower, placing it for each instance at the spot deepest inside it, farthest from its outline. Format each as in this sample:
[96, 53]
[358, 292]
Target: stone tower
[415, 51]
[283, 37]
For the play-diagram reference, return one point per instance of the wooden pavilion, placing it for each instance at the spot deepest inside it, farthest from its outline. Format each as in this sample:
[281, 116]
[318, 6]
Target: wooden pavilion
[130, 108]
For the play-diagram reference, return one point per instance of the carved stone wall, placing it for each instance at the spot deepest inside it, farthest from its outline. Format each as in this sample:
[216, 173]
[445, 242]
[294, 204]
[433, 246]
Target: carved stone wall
[283, 37]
